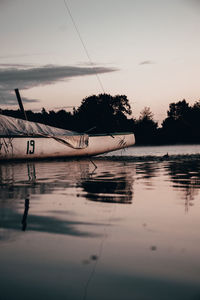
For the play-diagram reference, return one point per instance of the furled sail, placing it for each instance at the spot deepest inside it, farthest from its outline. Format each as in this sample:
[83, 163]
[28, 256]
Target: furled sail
[12, 127]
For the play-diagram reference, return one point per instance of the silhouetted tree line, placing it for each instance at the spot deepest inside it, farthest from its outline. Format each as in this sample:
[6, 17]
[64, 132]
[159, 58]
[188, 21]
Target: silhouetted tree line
[104, 113]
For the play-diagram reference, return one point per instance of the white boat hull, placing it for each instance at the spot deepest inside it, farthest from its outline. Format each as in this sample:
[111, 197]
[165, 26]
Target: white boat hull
[44, 147]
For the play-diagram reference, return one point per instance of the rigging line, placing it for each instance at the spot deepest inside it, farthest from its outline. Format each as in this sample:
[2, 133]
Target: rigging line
[83, 44]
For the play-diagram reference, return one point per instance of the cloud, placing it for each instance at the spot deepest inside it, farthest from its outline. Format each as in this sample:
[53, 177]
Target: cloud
[22, 77]
[14, 65]
[146, 62]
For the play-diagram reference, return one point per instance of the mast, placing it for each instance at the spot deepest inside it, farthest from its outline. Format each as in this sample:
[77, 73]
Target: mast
[20, 104]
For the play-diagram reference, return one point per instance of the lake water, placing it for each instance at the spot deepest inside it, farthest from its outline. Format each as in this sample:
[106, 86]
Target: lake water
[124, 230]
[157, 151]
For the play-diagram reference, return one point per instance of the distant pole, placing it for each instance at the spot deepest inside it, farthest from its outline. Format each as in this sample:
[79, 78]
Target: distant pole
[20, 104]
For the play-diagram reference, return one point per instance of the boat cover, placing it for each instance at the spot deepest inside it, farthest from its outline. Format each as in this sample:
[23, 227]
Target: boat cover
[12, 127]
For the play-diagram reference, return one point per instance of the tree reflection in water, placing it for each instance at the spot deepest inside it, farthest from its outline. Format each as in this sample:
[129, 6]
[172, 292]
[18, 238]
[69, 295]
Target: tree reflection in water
[105, 189]
[146, 171]
[185, 176]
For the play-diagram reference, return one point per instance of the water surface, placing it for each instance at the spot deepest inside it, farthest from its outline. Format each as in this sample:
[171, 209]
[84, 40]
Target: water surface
[125, 230]
[157, 151]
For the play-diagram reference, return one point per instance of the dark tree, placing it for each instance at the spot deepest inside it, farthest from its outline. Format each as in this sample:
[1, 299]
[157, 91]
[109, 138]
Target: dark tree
[103, 113]
[178, 110]
[176, 126]
[182, 124]
[146, 128]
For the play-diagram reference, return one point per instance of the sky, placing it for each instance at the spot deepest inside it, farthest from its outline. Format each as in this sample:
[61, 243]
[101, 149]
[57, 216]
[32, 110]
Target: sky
[148, 50]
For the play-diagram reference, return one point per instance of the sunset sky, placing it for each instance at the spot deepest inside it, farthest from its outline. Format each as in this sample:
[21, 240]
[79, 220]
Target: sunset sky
[148, 50]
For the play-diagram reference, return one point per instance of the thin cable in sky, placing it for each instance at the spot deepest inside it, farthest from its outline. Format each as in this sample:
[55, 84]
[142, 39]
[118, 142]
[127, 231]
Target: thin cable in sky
[83, 44]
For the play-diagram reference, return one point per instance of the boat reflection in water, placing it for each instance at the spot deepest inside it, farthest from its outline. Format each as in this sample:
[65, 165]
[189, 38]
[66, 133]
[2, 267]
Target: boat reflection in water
[25, 215]
[18, 180]
[26, 180]
[68, 230]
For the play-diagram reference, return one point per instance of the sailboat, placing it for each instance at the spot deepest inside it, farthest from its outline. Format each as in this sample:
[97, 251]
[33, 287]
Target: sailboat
[22, 139]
